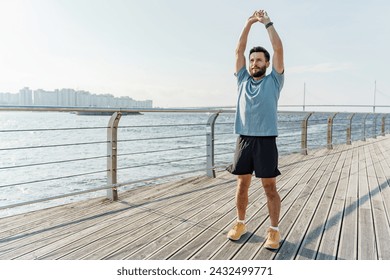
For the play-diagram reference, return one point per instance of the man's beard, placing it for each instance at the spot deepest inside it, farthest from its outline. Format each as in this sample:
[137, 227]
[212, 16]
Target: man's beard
[260, 73]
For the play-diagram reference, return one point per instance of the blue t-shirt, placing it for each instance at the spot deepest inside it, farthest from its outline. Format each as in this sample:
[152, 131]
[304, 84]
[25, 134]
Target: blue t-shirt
[257, 104]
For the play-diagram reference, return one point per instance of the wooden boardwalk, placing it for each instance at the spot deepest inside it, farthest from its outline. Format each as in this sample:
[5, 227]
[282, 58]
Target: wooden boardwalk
[335, 205]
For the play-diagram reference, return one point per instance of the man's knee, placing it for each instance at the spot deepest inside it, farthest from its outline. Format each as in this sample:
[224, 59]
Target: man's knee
[269, 186]
[243, 182]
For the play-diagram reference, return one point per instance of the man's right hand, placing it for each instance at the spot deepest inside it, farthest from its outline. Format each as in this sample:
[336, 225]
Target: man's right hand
[253, 18]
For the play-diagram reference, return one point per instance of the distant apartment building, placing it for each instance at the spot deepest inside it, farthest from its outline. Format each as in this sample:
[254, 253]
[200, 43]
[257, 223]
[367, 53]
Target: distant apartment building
[45, 98]
[22, 98]
[25, 97]
[9, 99]
[69, 98]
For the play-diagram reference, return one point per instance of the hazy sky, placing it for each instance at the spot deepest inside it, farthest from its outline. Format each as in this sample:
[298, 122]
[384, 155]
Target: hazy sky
[181, 52]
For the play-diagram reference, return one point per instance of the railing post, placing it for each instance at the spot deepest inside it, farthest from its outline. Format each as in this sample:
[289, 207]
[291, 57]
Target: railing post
[387, 129]
[330, 131]
[112, 150]
[364, 127]
[374, 125]
[210, 132]
[383, 128]
[304, 126]
[349, 129]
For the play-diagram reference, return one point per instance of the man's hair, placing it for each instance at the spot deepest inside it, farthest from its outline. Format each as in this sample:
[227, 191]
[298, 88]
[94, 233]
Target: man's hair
[260, 49]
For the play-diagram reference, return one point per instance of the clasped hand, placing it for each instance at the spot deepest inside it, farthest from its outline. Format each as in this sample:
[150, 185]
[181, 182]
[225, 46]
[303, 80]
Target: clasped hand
[260, 16]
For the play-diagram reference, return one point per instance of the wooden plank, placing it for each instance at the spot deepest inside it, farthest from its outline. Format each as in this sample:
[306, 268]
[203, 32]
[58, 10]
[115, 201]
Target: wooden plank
[319, 208]
[366, 235]
[318, 185]
[348, 239]
[377, 183]
[333, 221]
[382, 152]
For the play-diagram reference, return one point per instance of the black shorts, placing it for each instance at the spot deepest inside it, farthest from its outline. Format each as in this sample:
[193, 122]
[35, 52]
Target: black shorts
[255, 153]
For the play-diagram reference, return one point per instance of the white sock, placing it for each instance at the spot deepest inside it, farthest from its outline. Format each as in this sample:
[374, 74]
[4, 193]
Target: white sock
[274, 228]
[241, 221]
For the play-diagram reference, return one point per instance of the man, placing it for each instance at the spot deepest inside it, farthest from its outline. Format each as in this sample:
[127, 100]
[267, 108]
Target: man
[256, 124]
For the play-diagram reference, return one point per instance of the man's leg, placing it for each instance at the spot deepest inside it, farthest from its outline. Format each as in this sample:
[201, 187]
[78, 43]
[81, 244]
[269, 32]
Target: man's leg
[239, 228]
[243, 183]
[273, 200]
[273, 203]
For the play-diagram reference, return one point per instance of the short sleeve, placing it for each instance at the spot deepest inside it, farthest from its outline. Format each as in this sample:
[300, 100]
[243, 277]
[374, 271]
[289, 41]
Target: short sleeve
[278, 78]
[242, 75]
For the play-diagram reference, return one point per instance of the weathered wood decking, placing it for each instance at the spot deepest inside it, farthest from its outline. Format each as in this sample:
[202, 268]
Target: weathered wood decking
[335, 205]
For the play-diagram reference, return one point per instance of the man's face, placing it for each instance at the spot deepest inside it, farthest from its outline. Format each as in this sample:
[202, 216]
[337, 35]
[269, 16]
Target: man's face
[258, 64]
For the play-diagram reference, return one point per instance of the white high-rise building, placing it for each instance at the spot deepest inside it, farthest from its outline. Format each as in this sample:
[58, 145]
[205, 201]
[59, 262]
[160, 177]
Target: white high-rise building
[25, 97]
[70, 98]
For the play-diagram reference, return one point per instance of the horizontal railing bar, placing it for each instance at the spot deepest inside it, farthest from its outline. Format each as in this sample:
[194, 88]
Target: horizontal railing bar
[52, 179]
[357, 106]
[230, 123]
[226, 153]
[159, 163]
[53, 146]
[51, 129]
[289, 136]
[52, 162]
[162, 125]
[162, 138]
[223, 143]
[227, 133]
[165, 150]
[292, 143]
[295, 124]
[318, 121]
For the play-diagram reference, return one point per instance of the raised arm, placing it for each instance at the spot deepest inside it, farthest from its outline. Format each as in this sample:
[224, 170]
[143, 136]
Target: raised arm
[241, 46]
[276, 42]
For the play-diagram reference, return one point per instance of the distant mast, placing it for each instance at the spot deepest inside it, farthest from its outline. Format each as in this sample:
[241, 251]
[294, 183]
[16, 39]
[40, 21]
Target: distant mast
[374, 97]
[304, 97]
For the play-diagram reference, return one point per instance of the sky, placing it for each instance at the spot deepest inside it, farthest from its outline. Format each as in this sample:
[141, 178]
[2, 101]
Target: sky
[180, 53]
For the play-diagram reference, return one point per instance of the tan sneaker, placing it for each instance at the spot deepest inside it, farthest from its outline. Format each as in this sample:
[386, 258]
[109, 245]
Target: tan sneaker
[237, 231]
[273, 239]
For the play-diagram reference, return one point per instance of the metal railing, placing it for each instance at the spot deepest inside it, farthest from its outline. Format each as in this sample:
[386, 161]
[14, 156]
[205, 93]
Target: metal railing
[204, 143]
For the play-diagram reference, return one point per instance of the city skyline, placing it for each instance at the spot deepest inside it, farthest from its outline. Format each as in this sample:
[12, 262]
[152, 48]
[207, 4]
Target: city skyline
[67, 97]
